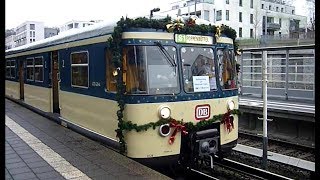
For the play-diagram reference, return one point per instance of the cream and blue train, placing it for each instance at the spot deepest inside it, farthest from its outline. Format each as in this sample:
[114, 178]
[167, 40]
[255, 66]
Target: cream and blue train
[181, 76]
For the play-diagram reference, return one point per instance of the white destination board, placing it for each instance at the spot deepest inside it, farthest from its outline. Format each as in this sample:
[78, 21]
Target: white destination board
[193, 39]
[201, 83]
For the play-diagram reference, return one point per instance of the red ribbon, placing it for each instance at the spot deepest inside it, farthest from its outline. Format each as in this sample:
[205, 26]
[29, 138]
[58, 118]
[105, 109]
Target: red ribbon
[178, 127]
[228, 121]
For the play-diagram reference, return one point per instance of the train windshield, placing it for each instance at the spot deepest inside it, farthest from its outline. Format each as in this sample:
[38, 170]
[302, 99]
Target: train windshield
[198, 69]
[151, 70]
[227, 69]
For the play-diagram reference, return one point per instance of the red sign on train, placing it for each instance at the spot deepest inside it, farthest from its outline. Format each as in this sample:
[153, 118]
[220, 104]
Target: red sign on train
[202, 112]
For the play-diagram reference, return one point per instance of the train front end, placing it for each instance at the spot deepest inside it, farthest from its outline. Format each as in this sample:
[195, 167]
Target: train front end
[181, 96]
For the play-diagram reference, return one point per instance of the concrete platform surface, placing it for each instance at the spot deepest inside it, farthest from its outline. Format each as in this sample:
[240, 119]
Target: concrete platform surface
[38, 148]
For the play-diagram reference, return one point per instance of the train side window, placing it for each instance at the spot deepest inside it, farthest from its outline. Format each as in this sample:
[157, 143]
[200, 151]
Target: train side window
[110, 78]
[30, 69]
[80, 69]
[10, 68]
[38, 69]
[227, 69]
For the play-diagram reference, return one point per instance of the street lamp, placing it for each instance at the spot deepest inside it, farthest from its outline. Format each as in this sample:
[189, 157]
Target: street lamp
[153, 10]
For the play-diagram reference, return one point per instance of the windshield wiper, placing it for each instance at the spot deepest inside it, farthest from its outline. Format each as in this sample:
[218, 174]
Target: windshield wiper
[166, 54]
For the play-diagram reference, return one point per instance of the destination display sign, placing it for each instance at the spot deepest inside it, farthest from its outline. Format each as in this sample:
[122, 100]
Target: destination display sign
[193, 39]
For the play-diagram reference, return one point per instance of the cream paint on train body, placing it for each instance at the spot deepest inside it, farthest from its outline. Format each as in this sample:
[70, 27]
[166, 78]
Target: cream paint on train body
[13, 89]
[38, 97]
[145, 113]
[99, 115]
[96, 114]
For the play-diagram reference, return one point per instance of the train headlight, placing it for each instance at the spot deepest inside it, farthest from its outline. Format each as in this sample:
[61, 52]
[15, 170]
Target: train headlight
[231, 105]
[164, 112]
[164, 130]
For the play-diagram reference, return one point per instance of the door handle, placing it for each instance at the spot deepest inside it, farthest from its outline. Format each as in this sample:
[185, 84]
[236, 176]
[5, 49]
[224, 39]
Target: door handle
[58, 77]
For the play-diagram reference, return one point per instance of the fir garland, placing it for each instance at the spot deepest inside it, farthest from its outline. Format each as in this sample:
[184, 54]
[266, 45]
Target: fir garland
[115, 45]
[129, 126]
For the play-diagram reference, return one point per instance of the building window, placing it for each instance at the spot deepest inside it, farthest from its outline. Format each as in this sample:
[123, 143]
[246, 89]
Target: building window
[280, 21]
[281, 9]
[30, 69]
[251, 18]
[292, 11]
[251, 33]
[227, 1]
[38, 69]
[206, 15]
[219, 15]
[240, 16]
[30, 40]
[269, 7]
[30, 33]
[277, 9]
[80, 69]
[240, 32]
[76, 25]
[84, 25]
[227, 15]
[10, 68]
[32, 27]
[262, 6]
[34, 40]
[240, 2]
[251, 3]
[34, 34]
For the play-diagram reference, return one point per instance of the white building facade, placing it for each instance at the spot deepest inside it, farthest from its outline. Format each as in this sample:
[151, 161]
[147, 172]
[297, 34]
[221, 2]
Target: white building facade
[247, 17]
[9, 42]
[77, 24]
[28, 32]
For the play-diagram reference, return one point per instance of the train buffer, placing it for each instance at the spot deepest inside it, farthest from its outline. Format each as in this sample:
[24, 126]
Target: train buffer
[37, 148]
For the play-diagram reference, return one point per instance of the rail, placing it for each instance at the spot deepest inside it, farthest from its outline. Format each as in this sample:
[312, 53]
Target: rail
[290, 72]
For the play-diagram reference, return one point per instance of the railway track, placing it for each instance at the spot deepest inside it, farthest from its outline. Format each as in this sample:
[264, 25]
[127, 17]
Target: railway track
[279, 146]
[229, 169]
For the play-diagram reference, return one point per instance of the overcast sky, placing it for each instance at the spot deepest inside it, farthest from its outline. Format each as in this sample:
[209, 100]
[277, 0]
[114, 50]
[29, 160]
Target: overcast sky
[57, 12]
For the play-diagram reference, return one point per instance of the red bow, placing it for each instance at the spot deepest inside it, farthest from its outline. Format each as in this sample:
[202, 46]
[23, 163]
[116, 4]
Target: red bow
[228, 121]
[178, 127]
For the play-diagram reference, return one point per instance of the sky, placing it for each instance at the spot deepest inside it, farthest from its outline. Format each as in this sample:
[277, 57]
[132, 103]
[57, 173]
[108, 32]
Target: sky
[55, 13]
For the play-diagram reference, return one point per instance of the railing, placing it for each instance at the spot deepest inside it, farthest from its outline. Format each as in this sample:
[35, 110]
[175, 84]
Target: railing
[290, 74]
[307, 35]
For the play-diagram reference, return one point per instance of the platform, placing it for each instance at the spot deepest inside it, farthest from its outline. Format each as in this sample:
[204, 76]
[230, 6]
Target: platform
[38, 148]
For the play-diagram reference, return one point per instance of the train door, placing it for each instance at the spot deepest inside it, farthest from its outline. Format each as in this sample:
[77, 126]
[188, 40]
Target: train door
[21, 79]
[55, 81]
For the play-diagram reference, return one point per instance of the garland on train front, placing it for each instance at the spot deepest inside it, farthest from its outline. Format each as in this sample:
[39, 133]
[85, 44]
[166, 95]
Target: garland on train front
[166, 24]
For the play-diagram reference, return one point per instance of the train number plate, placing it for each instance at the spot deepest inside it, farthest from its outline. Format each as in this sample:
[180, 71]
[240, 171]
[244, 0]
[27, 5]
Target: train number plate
[202, 112]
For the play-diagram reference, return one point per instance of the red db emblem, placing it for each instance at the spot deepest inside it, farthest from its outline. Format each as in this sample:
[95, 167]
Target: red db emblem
[202, 112]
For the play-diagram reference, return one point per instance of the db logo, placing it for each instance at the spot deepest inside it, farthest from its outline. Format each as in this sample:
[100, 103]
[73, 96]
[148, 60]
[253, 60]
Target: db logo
[202, 112]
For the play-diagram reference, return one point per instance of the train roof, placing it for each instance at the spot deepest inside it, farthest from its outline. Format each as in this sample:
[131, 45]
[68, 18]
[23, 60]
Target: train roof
[95, 30]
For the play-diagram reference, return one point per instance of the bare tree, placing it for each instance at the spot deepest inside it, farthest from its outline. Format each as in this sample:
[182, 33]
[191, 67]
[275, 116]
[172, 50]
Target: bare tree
[256, 19]
[311, 9]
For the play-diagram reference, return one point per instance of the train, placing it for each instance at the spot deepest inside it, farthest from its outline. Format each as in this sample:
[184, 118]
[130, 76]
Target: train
[158, 90]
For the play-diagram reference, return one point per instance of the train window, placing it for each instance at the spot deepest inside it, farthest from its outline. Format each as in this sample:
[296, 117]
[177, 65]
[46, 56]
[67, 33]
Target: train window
[227, 69]
[10, 68]
[79, 69]
[150, 71]
[198, 69]
[111, 79]
[13, 69]
[38, 69]
[30, 69]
